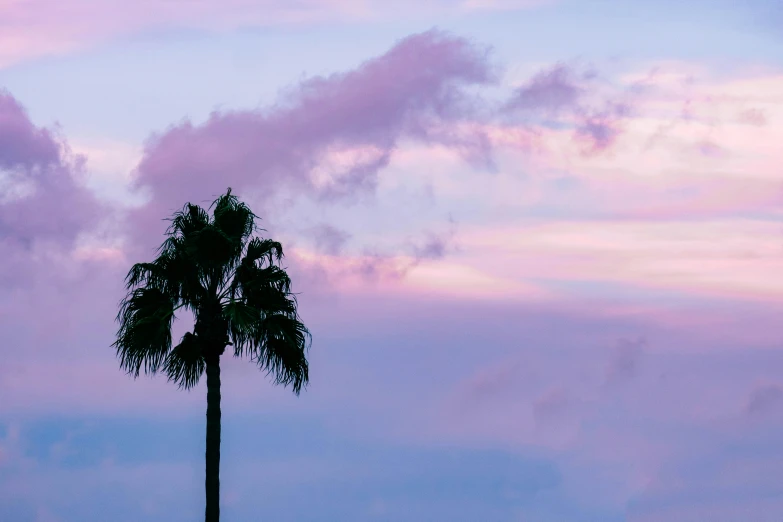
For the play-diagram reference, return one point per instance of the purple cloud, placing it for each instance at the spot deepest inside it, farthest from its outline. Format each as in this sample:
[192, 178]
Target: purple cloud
[359, 116]
[376, 265]
[42, 199]
[434, 248]
[601, 129]
[22, 144]
[329, 239]
[549, 91]
[560, 96]
[437, 244]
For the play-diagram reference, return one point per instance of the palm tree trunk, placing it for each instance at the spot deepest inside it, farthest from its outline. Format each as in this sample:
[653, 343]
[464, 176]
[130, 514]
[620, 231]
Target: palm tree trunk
[212, 481]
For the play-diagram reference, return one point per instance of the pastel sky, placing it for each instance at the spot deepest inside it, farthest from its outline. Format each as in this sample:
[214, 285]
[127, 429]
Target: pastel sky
[538, 244]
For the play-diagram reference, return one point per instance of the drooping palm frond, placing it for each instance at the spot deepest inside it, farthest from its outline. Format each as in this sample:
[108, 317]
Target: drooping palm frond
[144, 337]
[170, 282]
[279, 346]
[173, 272]
[258, 285]
[263, 249]
[185, 363]
[262, 315]
[276, 341]
[242, 318]
[261, 254]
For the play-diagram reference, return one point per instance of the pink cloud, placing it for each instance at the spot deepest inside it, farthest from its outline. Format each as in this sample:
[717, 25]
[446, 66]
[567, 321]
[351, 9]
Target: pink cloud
[664, 161]
[731, 258]
[753, 117]
[418, 273]
[34, 28]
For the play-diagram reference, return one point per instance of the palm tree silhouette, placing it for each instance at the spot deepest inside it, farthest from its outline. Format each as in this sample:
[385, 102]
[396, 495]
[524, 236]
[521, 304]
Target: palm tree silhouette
[240, 297]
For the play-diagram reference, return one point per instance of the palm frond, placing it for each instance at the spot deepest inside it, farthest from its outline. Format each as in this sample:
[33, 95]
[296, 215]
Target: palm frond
[253, 282]
[263, 249]
[280, 346]
[144, 336]
[185, 363]
[172, 272]
[148, 274]
[213, 245]
[263, 323]
[242, 320]
[234, 218]
[187, 221]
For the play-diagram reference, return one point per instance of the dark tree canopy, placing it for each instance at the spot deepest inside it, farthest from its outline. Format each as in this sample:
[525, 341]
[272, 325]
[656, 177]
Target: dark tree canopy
[233, 283]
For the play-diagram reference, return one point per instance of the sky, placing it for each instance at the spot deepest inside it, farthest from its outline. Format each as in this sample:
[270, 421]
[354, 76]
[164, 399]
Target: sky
[538, 244]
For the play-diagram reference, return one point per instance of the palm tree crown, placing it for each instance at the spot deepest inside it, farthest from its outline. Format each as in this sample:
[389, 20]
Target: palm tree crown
[236, 289]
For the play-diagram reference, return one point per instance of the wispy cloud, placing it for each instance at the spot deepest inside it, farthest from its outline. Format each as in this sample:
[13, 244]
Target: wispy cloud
[35, 28]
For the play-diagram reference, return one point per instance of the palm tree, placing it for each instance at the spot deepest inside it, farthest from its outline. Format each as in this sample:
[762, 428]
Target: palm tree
[239, 296]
